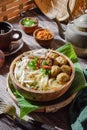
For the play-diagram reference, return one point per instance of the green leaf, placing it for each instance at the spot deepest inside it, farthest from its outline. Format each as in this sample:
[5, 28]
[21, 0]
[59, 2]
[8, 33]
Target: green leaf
[68, 50]
[25, 106]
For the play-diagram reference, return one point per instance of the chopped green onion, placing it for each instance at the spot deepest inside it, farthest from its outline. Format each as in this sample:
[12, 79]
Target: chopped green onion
[28, 22]
[43, 63]
[45, 71]
[33, 64]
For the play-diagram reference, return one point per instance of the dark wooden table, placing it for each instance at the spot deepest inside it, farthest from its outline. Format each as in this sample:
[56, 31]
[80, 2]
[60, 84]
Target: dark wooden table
[59, 118]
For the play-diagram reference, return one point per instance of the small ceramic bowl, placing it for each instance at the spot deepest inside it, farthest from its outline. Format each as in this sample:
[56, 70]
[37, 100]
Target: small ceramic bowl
[28, 24]
[43, 36]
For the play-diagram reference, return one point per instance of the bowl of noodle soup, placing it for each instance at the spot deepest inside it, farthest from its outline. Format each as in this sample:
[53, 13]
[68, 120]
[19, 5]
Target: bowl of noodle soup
[42, 75]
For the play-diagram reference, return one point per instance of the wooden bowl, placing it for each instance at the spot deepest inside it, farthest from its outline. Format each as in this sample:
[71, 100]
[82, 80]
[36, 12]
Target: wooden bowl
[43, 36]
[28, 24]
[40, 95]
[51, 106]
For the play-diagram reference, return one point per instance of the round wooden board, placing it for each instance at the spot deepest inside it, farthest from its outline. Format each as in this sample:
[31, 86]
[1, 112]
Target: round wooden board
[51, 106]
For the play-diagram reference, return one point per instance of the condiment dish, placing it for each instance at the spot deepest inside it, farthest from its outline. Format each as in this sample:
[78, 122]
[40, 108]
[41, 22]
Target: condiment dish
[28, 24]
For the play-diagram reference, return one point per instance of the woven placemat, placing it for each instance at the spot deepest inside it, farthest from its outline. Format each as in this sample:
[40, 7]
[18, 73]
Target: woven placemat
[55, 8]
[58, 8]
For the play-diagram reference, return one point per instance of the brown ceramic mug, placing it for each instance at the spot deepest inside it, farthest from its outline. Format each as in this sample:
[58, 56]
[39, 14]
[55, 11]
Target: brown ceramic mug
[8, 34]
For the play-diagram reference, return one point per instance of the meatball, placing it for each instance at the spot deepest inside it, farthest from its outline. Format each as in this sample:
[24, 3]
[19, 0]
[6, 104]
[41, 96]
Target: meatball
[53, 55]
[66, 68]
[62, 78]
[55, 70]
[49, 61]
[61, 60]
[55, 62]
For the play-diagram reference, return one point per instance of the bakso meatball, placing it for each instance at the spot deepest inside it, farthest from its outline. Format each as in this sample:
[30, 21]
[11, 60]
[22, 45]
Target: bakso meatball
[62, 78]
[49, 61]
[55, 70]
[66, 68]
[61, 60]
[52, 55]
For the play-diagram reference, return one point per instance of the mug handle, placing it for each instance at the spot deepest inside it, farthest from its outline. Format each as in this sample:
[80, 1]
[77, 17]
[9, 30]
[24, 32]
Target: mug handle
[16, 35]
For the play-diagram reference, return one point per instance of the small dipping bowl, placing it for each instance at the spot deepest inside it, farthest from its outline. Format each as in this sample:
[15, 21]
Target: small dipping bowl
[28, 24]
[43, 36]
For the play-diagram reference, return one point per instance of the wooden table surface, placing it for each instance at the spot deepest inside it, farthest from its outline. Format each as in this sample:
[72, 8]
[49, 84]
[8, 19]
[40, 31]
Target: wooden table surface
[59, 118]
